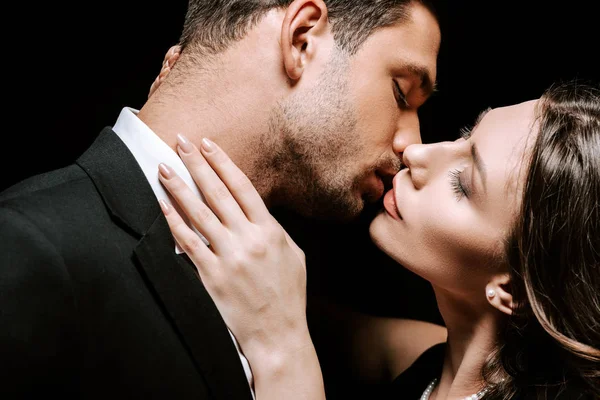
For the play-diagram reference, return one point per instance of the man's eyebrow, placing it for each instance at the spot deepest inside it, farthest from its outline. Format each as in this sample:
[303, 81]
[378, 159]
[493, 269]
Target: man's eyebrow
[427, 85]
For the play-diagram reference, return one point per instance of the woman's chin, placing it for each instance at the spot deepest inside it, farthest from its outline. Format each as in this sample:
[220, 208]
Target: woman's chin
[388, 240]
[380, 235]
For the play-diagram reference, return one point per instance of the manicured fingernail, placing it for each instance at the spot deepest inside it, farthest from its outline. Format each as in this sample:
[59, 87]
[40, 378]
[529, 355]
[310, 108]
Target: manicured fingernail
[164, 206]
[207, 145]
[165, 171]
[185, 145]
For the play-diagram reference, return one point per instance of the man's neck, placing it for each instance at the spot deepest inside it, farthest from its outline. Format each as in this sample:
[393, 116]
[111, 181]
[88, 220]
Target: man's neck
[216, 109]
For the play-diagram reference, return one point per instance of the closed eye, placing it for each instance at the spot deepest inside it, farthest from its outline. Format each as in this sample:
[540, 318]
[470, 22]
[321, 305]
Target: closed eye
[458, 188]
[400, 96]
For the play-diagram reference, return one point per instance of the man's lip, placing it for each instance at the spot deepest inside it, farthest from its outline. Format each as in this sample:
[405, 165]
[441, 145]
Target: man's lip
[387, 181]
[378, 189]
[383, 182]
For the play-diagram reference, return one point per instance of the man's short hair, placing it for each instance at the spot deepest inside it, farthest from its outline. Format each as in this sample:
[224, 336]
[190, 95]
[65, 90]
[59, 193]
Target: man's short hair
[212, 25]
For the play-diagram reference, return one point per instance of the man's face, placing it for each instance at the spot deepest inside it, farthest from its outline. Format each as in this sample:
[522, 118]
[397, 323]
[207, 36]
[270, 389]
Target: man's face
[344, 135]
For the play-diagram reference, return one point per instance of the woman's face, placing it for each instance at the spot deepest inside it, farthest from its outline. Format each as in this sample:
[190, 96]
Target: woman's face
[451, 209]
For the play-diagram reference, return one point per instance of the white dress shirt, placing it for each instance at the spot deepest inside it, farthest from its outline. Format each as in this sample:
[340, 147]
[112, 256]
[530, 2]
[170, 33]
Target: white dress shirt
[149, 151]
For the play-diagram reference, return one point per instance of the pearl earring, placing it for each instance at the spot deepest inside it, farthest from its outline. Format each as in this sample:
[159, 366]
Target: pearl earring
[491, 293]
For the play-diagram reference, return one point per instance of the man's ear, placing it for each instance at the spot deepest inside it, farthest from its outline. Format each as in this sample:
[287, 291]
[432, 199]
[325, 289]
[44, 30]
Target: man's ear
[304, 21]
[168, 62]
[498, 293]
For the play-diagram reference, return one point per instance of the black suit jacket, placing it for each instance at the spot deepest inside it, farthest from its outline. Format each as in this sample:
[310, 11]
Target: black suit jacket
[94, 301]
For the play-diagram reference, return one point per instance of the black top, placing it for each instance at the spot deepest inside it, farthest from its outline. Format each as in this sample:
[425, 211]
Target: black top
[407, 386]
[412, 383]
[94, 301]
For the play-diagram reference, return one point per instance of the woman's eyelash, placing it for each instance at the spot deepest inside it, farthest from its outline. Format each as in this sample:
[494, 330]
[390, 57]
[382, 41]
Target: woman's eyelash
[457, 186]
[465, 132]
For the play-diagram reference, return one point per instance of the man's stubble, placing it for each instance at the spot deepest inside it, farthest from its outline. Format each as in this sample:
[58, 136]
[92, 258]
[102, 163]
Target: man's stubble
[313, 148]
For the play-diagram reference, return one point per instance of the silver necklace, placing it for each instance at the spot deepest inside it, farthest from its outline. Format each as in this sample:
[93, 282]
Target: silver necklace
[477, 396]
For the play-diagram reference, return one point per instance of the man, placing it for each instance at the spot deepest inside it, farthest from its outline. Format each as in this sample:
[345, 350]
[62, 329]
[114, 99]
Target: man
[315, 100]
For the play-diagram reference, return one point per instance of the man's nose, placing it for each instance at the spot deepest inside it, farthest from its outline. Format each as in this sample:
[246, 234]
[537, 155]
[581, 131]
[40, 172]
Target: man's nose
[408, 131]
[416, 158]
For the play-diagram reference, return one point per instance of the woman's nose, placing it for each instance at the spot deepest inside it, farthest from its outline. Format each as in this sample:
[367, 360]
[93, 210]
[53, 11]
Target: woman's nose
[420, 159]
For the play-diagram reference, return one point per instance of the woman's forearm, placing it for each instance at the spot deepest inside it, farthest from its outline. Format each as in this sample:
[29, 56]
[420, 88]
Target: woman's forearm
[288, 372]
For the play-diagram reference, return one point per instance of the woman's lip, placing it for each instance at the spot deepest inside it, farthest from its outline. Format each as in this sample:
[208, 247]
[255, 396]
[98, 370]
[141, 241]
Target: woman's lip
[395, 189]
[389, 204]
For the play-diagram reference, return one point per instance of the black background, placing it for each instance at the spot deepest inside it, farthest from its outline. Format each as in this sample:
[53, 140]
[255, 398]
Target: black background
[71, 66]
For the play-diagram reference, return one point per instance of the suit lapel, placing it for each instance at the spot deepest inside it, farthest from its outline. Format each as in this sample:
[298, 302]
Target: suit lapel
[176, 285]
[193, 312]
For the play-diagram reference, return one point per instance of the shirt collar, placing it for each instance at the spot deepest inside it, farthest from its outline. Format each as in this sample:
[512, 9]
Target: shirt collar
[149, 151]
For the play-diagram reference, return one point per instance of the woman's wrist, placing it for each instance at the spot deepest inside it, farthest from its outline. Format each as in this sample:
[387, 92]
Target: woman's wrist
[273, 353]
[289, 370]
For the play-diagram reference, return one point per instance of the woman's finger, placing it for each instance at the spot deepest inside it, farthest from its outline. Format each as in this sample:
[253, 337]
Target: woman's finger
[238, 183]
[200, 215]
[202, 257]
[215, 192]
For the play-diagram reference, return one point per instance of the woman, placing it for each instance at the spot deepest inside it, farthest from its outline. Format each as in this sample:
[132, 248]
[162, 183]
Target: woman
[505, 224]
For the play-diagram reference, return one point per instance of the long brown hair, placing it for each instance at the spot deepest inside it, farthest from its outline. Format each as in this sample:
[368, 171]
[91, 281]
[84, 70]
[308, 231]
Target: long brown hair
[551, 344]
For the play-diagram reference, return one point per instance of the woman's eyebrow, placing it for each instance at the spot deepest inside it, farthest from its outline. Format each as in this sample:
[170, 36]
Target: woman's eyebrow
[479, 165]
[481, 116]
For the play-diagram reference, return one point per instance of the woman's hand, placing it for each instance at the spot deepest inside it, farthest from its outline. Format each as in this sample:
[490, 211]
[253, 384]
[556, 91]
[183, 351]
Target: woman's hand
[252, 269]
